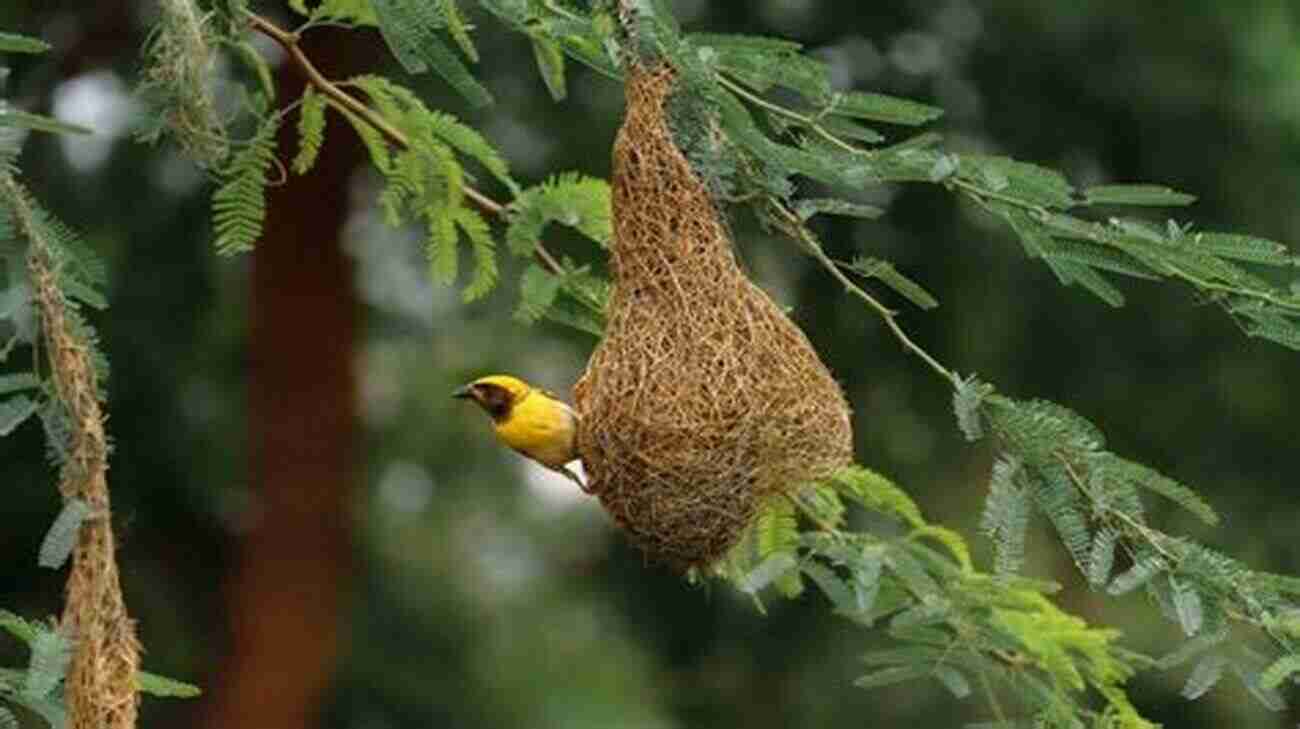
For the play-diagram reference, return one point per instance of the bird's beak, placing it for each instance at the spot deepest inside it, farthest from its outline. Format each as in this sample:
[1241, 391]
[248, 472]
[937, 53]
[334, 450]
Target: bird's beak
[463, 393]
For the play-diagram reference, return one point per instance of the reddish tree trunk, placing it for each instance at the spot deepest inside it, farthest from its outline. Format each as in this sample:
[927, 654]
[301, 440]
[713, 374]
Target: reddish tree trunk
[287, 590]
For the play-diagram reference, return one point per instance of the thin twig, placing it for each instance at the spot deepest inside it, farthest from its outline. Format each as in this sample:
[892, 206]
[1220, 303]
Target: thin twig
[796, 229]
[289, 42]
[807, 121]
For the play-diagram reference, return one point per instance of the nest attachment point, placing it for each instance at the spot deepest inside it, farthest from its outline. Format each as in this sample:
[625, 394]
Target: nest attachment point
[703, 399]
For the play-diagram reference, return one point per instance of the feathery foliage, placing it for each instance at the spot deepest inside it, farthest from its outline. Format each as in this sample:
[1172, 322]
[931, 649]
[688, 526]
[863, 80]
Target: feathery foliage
[759, 117]
[952, 623]
[38, 123]
[358, 12]
[420, 152]
[1204, 676]
[17, 382]
[1283, 669]
[163, 687]
[50, 653]
[550, 63]
[557, 33]
[571, 199]
[475, 229]
[412, 29]
[14, 123]
[967, 396]
[538, 290]
[72, 274]
[884, 272]
[426, 180]
[15, 411]
[1055, 462]
[15, 43]
[36, 686]
[576, 298]
[1006, 517]
[311, 130]
[239, 204]
[767, 554]
[62, 534]
[175, 83]
[381, 156]
[750, 146]
[730, 85]
[79, 274]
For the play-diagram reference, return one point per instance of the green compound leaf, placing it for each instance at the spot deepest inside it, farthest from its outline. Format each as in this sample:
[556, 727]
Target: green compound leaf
[14, 43]
[1149, 195]
[62, 535]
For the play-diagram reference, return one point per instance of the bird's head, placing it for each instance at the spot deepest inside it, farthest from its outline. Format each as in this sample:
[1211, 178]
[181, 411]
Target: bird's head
[496, 394]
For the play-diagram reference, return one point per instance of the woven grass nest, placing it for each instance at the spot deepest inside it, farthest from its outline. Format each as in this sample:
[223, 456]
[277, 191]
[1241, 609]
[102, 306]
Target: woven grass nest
[703, 399]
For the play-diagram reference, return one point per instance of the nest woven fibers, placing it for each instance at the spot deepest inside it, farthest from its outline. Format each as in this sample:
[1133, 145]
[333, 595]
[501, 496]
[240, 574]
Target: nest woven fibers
[703, 399]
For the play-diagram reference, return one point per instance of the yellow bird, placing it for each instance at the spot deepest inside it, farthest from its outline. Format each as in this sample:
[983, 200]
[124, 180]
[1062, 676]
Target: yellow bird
[530, 420]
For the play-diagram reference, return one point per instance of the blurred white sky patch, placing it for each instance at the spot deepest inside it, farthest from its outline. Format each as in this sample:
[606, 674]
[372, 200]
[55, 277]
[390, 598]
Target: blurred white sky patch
[268, 49]
[380, 376]
[527, 147]
[178, 175]
[101, 101]
[850, 61]
[405, 488]
[919, 54]
[392, 272]
[551, 491]
[960, 21]
[506, 559]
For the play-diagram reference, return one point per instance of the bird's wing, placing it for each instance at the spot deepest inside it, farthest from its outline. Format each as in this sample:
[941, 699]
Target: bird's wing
[560, 402]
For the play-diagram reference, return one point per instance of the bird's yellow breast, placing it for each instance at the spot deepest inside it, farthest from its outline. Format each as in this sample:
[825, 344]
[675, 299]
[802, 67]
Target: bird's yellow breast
[541, 428]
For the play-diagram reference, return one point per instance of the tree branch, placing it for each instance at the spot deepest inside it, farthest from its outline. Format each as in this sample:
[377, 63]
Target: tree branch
[289, 42]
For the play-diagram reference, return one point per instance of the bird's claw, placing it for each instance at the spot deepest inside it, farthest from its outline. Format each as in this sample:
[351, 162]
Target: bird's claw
[574, 477]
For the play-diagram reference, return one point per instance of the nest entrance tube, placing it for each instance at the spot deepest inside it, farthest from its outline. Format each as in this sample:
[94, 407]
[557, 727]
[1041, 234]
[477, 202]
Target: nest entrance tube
[703, 399]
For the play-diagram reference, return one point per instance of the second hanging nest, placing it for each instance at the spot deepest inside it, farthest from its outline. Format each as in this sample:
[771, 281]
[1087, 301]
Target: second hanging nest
[704, 398]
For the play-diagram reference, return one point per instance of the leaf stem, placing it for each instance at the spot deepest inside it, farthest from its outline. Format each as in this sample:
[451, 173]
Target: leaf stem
[801, 233]
[791, 114]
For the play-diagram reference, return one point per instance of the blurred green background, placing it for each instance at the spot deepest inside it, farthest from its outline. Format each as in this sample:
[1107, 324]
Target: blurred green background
[472, 590]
